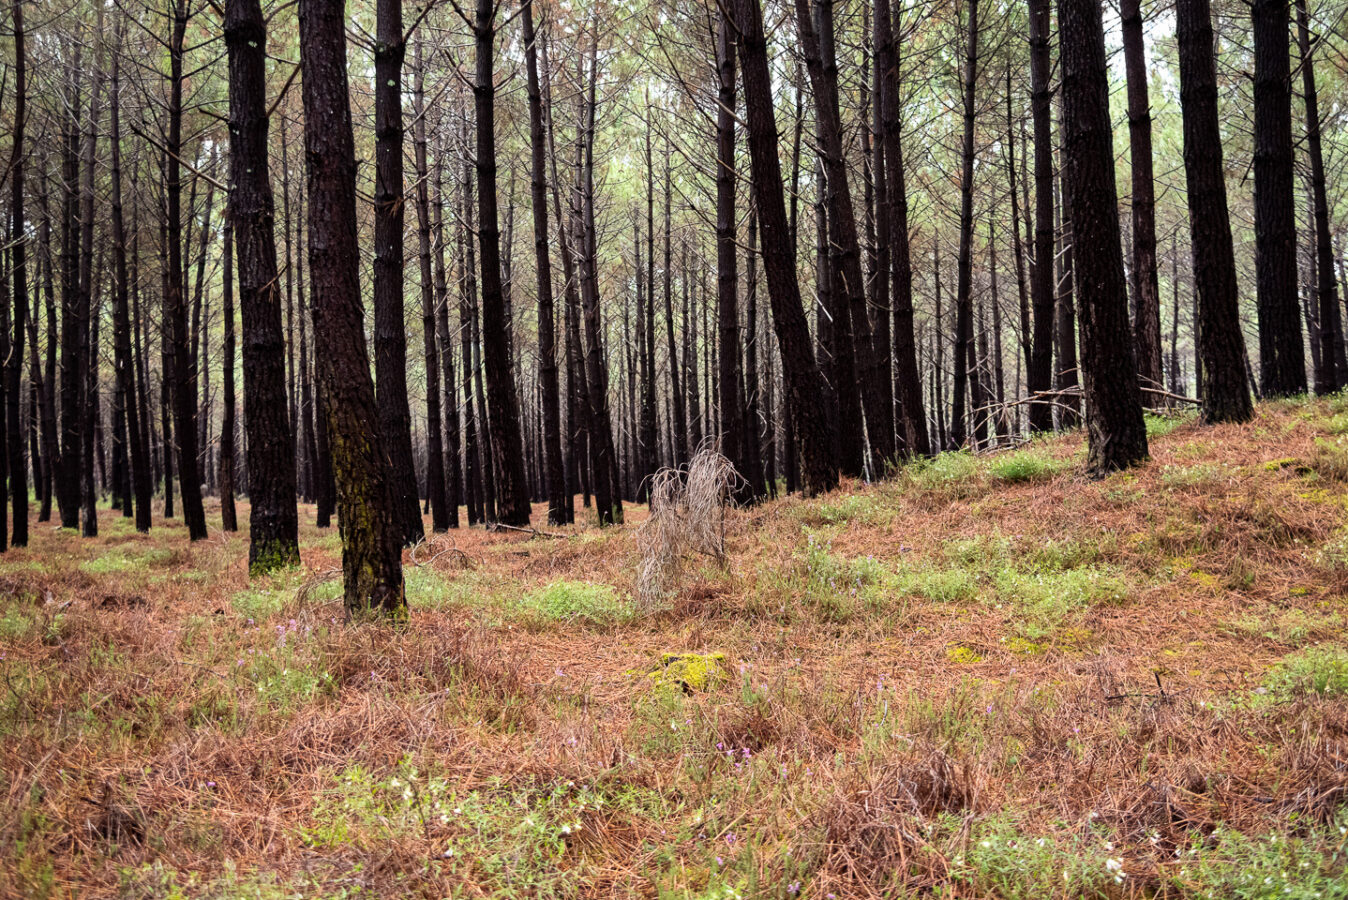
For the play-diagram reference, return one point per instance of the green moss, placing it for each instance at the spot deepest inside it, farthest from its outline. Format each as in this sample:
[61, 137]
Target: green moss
[962, 656]
[1019, 645]
[690, 672]
[273, 556]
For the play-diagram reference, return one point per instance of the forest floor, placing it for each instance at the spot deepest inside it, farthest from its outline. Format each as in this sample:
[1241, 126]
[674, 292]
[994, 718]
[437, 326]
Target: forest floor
[985, 677]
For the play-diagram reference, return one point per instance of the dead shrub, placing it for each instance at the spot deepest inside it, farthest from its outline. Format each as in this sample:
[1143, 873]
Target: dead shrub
[687, 517]
[877, 831]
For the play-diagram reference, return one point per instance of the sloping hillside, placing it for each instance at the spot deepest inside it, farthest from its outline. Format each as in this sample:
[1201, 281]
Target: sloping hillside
[986, 676]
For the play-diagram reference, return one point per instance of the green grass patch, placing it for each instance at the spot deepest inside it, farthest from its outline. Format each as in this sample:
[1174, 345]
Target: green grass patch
[955, 475]
[574, 603]
[1025, 465]
[121, 560]
[1322, 671]
[1160, 426]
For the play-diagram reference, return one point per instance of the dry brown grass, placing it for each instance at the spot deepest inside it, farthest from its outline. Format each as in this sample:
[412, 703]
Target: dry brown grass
[158, 728]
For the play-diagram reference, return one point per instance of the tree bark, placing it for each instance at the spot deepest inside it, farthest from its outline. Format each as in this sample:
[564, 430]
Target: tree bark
[1039, 372]
[1328, 377]
[435, 445]
[175, 303]
[912, 434]
[803, 381]
[1146, 285]
[390, 331]
[817, 39]
[371, 560]
[18, 469]
[1282, 354]
[1221, 347]
[1116, 432]
[964, 324]
[504, 423]
[273, 521]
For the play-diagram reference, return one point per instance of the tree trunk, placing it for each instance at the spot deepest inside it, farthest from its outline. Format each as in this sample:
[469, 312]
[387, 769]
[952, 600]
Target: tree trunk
[1282, 355]
[18, 469]
[1039, 372]
[273, 521]
[229, 519]
[679, 437]
[175, 303]
[802, 376]
[913, 438]
[506, 441]
[1221, 348]
[554, 474]
[1146, 287]
[1328, 378]
[371, 560]
[435, 446]
[608, 505]
[390, 331]
[817, 39]
[964, 277]
[138, 455]
[1116, 432]
[731, 411]
[453, 461]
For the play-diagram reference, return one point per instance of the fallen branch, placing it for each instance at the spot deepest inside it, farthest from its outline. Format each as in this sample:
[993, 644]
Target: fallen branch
[498, 526]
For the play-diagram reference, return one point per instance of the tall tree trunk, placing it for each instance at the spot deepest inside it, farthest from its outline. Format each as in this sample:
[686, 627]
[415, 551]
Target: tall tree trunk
[913, 438]
[608, 505]
[138, 453]
[453, 461]
[1065, 374]
[964, 324]
[435, 446]
[803, 380]
[371, 560]
[1039, 372]
[817, 39]
[85, 309]
[506, 441]
[731, 412]
[648, 429]
[1116, 432]
[47, 386]
[554, 473]
[574, 433]
[71, 388]
[273, 522]
[1221, 347]
[175, 303]
[1328, 378]
[18, 469]
[1018, 246]
[679, 436]
[472, 414]
[1146, 286]
[390, 331]
[1282, 355]
[229, 518]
